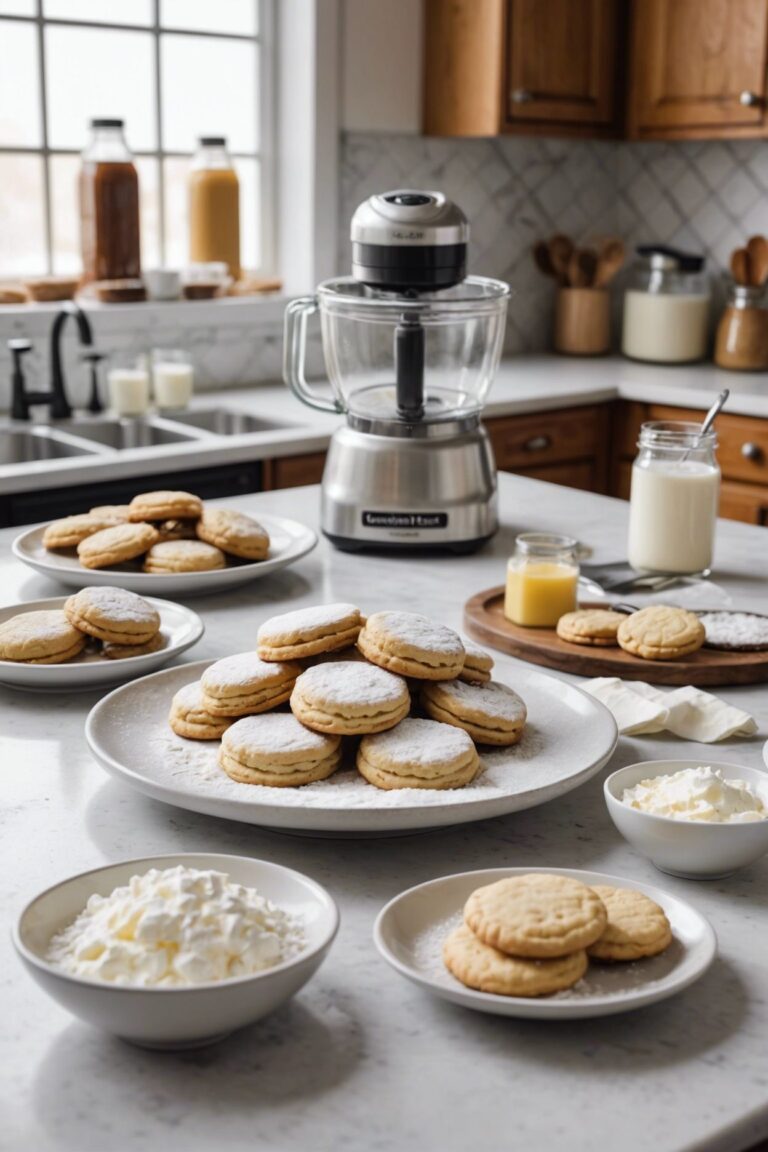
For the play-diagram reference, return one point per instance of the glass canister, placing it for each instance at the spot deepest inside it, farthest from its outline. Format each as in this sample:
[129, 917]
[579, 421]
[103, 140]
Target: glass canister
[666, 308]
[741, 343]
[214, 206]
[674, 498]
[542, 580]
[109, 206]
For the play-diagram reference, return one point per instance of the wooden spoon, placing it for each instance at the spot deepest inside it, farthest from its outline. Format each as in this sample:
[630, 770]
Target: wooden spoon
[543, 258]
[560, 251]
[740, 266]
[610, 258]
[582, 268]
[757, 250]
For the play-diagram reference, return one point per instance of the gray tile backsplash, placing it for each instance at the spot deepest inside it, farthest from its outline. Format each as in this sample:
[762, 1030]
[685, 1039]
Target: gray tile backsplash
[706, 196]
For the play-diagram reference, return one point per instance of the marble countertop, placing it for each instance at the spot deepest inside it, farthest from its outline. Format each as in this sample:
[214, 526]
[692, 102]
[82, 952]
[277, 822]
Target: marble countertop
[523, 384]
[361, 1059]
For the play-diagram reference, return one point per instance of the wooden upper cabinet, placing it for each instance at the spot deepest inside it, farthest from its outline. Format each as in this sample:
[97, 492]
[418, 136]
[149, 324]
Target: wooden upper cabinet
[463, 67]
[562, 62]
[698, 68]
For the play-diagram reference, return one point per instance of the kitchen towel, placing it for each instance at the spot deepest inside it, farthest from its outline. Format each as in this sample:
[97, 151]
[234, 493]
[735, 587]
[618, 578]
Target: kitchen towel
[640, 709]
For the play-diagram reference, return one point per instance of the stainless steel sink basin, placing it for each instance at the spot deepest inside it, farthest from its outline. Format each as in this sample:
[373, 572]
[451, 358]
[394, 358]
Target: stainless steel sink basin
[226, 421]
[127, 433]
[23, 445]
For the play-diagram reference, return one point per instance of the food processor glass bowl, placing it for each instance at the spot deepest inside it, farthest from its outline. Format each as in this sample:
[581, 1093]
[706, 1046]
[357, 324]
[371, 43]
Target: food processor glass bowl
[459, 333]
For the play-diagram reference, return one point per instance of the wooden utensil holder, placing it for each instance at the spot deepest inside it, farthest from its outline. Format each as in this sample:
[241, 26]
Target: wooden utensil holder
[583, 322]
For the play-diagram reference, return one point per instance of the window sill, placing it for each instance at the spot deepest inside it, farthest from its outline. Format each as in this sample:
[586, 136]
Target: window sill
[231, 311]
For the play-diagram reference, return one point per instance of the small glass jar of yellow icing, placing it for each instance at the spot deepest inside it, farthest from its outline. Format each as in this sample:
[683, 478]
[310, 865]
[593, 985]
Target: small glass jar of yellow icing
[542, 580]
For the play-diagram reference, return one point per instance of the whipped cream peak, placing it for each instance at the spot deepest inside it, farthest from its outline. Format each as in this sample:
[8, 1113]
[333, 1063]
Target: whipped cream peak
[702, 794]
[176, 927]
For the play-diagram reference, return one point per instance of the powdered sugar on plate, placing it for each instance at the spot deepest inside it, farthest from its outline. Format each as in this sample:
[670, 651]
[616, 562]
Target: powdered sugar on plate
[738, 631]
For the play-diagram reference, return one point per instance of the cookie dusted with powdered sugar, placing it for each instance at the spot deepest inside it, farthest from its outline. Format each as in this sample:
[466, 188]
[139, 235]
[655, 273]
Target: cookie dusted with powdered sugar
[491, 713]
[349, 698]
[309, 632]
[479, 966]
[418, 754]
[277, 751]
[244, 684]
[113, 615]
[412, 645]
[45, 637]
[190, 718]
[234, 533]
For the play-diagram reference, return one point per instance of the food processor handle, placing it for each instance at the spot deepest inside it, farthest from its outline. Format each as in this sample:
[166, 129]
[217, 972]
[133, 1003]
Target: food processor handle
[294, 354]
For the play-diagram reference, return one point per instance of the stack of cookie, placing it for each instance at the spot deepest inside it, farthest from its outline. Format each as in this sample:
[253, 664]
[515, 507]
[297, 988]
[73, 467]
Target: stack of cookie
[111, 622]
[533, 934]
[172, 531]
[659, 632]
[398, 695]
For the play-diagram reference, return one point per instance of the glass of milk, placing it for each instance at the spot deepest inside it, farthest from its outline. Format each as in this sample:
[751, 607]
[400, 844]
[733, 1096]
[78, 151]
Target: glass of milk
[128, 384]
[172, 377]
[666, 308]
[674, 497]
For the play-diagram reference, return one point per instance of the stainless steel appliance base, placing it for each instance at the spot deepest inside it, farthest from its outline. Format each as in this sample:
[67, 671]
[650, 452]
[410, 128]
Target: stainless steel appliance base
[434, 492]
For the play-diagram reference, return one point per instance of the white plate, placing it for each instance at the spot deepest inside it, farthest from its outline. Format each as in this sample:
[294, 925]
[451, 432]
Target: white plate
[181, 627]
[410, 930]
[568, 738]
[289, 541]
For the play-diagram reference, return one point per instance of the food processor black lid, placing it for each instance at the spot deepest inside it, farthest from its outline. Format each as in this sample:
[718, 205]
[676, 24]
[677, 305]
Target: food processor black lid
[409, 240]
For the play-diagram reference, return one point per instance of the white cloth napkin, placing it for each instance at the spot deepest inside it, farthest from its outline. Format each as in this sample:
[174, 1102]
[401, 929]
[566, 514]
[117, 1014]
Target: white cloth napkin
[639, 709]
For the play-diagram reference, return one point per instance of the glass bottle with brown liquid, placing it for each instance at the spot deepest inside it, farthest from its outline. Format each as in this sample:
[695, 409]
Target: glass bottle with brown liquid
[109, 206]
[214, 206]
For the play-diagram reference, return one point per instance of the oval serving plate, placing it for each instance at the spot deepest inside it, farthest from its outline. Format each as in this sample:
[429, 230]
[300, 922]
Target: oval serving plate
[180, 626]
[409, 933]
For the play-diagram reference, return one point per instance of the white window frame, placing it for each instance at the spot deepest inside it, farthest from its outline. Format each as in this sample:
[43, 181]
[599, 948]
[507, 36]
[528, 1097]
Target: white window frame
[263, 46]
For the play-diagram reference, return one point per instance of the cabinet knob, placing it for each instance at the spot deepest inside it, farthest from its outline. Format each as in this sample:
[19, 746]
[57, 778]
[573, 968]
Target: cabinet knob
[750, 99]
[521, 96]
[752, 451]
[537, 443]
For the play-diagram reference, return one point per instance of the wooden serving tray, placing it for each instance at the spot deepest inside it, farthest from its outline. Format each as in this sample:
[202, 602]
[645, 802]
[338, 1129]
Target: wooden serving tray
[484, 621]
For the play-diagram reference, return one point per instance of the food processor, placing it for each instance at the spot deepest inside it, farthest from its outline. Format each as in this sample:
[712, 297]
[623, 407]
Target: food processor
[411, 347]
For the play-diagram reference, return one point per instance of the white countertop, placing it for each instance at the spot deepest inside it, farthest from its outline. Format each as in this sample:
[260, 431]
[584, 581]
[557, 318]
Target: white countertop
[523, 384]
[361, 1059]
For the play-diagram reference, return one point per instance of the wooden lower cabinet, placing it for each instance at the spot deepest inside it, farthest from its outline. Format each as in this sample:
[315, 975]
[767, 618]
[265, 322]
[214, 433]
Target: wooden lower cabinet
[567, 446]
[293, 471]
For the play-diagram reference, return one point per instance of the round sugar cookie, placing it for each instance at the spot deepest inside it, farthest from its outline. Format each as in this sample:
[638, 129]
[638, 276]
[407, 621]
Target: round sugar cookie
[44, 637]
[492, 713]
[637, 926]
[124, 651]
[349, 698]
[478, 664]
[116, 545]
[234, 533]
[244, 684]
[479, 966]
[308, 632]
[116, 513]
[538, 914]
[113, 615]
[660, 632]
[190, 718]
[71, 530]
[412, 645]
[183, 556]
[165, 505]
[276, 751]
[590, 626]
[418, 754]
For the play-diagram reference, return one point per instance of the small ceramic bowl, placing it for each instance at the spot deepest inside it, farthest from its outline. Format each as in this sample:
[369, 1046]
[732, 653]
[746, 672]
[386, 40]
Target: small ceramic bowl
[177, 1017]
[688, 848]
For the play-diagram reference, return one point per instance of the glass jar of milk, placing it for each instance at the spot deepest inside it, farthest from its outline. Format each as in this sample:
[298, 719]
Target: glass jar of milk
[674, 497]
[666, 308]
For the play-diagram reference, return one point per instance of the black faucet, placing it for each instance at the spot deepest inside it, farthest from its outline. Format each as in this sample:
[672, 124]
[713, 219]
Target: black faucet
[56, 396]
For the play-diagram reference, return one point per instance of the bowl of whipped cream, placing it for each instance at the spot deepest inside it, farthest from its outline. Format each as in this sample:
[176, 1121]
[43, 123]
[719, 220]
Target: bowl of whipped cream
[177, 951]
[693, 819]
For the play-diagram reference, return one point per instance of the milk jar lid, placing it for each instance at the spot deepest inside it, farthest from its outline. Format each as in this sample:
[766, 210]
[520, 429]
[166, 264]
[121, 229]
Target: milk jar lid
[664, 258]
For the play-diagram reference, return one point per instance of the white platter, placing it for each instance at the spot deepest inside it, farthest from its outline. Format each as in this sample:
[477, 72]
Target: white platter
[181, 627]
[568, 738]
[410, 930]
[289, 541]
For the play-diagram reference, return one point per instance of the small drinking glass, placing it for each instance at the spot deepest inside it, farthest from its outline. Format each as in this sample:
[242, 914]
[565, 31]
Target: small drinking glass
[128, 384]
[172, 378]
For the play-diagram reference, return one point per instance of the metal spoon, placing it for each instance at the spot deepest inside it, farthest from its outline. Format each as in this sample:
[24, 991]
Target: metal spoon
[707, 423]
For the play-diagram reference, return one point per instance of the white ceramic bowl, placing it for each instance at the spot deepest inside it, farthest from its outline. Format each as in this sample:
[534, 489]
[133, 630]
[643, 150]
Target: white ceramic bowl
[688, 848]
[177, 1017]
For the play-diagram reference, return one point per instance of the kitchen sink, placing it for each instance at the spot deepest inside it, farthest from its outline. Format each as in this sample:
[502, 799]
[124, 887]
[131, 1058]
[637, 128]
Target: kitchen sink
[226, 421]
[127, 433]
[22, 445]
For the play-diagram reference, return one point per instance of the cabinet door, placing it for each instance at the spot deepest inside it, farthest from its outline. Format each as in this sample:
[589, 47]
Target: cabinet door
[698, 65]
[562, 61]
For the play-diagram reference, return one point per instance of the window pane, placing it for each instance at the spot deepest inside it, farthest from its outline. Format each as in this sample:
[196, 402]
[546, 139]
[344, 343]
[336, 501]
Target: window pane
[19, 85]
[149, 204]
[22, 216]
[18, 7]
[175, 174]
[209, 88]
[94, 72]
[65, 215]
[115, 12]
[250, 214]
[238, 16]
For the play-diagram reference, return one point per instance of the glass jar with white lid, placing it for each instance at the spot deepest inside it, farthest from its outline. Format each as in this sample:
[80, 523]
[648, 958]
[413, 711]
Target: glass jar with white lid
[674, 498]
[666, 307]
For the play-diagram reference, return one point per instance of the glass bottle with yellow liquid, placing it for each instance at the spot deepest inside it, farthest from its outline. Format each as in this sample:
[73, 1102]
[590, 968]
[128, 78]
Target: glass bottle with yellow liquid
[214, 206]
[542, 580]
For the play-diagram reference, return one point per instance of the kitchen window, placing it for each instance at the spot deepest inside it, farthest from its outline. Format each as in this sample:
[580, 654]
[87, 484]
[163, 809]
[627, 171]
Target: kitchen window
[173, 70]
